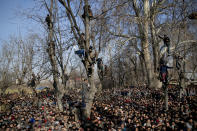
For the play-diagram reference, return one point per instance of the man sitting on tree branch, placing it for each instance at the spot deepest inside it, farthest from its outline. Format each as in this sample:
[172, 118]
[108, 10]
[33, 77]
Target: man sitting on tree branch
[81, 51]
[48, 21]
[89, 13]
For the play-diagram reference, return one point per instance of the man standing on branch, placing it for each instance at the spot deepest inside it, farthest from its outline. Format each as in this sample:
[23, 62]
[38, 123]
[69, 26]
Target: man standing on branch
[164, 72]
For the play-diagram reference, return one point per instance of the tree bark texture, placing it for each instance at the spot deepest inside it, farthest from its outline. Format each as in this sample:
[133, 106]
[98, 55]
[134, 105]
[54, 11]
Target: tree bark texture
[51, 45]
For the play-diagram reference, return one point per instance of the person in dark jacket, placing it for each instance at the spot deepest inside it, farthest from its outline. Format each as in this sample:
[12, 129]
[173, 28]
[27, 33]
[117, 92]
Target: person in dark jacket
[164, 71]
[166, 41]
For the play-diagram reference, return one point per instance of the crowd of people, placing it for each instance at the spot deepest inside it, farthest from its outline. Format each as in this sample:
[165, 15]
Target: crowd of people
[128, 109]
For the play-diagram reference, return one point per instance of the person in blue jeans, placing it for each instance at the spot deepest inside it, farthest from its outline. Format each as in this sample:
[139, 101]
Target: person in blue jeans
[80, 53]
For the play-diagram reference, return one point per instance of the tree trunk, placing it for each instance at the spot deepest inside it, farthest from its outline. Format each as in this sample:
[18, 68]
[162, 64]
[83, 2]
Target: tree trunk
[142, 68]
[166, 98]
[145, 44]
[87, 61]
[101, 80]
[155, 45]
[181, 81]
[136, 74]
[89, 97]
[58, 88]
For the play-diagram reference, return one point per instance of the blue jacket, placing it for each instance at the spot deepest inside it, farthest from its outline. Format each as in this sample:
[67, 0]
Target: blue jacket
[164, 68]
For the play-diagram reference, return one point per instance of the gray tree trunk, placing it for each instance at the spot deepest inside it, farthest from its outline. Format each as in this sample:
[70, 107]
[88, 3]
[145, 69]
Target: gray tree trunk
[155, 45]
[89, 96]
[51, 45]
[166, 98]
[142, 68]
[87, 61]
[143, 27]
[145, 43]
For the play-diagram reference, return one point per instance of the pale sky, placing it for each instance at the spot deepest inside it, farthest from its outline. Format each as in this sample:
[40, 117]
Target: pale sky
[11, 23]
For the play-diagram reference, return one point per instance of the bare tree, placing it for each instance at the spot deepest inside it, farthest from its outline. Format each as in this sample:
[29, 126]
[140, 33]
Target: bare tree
[6, 58]
[90, 52]
[59, 90]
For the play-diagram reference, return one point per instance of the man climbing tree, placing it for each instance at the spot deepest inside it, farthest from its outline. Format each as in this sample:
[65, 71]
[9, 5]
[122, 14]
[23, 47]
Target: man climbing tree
[106, 70]
[89, 13]
[59, 91]
[164, 71]
[80, 53]
[48, 21]
[166, 41]
[90, 52]
[33, 80]
[90, 64]
[100, 66]
[178, 61]
[164, 79]
[193, 16]
[82, 41]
